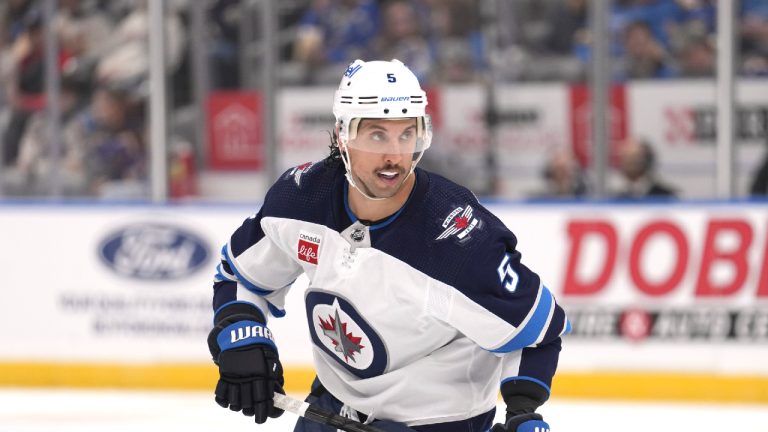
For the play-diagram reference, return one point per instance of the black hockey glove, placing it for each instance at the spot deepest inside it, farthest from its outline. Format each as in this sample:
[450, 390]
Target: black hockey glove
[522, 398]
[249, 369]
[530, 422]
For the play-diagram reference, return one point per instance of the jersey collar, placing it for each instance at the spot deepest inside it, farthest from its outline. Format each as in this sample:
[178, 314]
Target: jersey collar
[381, 224]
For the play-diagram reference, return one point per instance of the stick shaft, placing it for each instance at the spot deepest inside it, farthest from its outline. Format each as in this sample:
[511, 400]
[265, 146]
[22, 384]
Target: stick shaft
[318, 415]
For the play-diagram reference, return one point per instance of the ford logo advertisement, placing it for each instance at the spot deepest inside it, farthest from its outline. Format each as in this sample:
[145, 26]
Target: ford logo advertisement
[154, 252]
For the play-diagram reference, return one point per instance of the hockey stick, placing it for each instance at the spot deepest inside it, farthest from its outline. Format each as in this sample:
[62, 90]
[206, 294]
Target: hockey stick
[319, 415]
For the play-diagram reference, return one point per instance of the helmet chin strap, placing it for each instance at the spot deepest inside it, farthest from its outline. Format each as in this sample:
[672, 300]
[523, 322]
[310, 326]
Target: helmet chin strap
[351, 179]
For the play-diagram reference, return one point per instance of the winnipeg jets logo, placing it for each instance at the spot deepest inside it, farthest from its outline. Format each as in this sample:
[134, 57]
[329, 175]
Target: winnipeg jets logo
[352, 69]
[298, 171]
[459, 222]
[343, 336]
[344, 342]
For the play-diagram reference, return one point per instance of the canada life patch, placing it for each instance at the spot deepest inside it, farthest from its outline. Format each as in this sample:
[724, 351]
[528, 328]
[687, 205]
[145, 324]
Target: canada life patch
[308, 249]
[459, 222]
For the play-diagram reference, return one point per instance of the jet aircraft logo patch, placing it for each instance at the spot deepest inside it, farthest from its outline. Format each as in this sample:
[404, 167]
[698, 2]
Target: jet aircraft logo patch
[298, 171]
[345, 343]
[459, 222]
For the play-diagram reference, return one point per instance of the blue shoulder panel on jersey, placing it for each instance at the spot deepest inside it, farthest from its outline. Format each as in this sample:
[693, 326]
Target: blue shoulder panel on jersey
[412, 236]
[316, 198]
[309, 192]
[447, 234]
[246, 235]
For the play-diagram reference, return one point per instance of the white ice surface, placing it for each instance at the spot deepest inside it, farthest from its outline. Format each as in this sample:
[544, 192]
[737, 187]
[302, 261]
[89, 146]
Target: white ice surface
[44, 410]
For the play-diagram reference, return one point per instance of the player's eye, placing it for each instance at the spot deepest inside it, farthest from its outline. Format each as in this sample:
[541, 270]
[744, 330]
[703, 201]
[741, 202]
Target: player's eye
[378, 136]
[407, 135]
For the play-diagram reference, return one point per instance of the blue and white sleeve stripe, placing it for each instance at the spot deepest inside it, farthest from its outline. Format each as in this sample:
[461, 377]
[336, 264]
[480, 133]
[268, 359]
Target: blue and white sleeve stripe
[549, 323]
[230, 285]
[223, 272]
[242, 278]
[533, 328]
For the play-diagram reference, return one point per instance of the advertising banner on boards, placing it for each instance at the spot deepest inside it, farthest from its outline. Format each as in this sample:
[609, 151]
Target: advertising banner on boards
[655, 287]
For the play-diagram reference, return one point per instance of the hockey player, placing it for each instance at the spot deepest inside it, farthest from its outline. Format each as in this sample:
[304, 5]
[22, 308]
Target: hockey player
[418, 305]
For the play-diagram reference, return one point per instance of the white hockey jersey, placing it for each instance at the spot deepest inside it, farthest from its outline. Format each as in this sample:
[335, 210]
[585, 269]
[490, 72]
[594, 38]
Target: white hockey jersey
[417, 318]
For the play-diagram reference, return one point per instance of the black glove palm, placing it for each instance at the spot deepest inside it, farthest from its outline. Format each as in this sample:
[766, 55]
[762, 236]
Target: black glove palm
[249, 367]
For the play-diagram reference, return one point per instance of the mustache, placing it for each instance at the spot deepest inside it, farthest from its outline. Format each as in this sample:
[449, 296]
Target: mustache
[390, 167]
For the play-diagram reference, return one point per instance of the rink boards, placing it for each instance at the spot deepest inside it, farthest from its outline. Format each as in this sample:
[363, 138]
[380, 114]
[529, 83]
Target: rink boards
[666, 301]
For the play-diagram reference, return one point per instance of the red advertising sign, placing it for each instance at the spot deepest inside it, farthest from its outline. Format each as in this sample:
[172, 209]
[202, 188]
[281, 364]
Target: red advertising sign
[728, 243]
[235, 139]
[581, 121]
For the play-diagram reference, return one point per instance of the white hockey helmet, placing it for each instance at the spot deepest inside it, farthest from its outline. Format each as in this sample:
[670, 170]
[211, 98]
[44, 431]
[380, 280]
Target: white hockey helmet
[381, 90]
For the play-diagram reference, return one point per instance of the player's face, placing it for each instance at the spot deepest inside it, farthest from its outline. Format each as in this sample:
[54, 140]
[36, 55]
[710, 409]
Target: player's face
[381, 155]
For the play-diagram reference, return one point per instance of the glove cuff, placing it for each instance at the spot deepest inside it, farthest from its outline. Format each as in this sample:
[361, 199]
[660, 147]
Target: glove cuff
[523, 396]
[228, 315]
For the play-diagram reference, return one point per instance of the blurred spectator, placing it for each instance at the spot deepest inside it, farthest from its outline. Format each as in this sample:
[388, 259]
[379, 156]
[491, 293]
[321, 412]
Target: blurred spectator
[12, 13]
[83, 30]
[23, 72]
[659, 16]
[225, 44]
[645, 57]
[563, 177]
[124, 60]
[568, 27]
[334, 33]
[637, 164]
[759, 184]
[697, 59]
[539, 47]
[403, 38]
[106, 142]
[754, 38]
[455, 40]
[650, 39]
[33, 170]
[689, 20]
